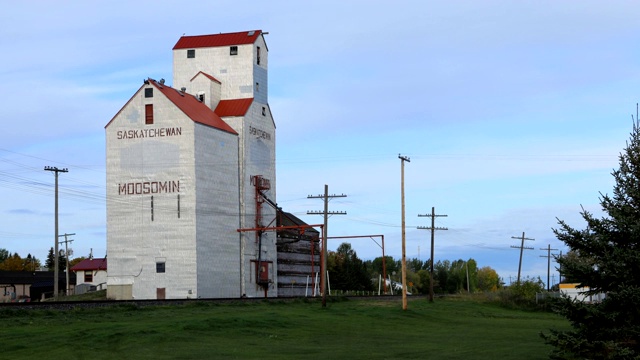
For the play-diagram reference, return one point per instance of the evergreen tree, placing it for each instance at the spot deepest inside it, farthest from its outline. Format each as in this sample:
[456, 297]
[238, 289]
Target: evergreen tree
[605, 259]
[4, 254]
[51, 260]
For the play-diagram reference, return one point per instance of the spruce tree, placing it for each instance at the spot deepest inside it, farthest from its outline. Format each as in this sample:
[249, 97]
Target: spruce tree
[606, 260]
[51, 260]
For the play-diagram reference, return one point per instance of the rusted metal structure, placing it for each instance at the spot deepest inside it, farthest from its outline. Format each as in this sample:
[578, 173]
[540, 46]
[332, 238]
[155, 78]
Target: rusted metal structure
[297, 246]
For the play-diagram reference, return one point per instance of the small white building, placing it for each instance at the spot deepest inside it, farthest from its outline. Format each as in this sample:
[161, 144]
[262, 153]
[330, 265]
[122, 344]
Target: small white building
[91, 274]
[185, 167]
[577, 293]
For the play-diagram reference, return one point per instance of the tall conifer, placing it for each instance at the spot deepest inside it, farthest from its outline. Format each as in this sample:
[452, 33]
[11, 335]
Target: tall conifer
[606, 260]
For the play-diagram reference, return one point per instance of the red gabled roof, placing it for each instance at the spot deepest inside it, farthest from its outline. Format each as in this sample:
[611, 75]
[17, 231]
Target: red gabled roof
[208, 77]
[193, 108]
[90, 264]
[235, 107]
[214, 40]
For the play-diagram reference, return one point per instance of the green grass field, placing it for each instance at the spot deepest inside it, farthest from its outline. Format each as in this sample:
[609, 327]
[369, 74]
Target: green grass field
[353, 329]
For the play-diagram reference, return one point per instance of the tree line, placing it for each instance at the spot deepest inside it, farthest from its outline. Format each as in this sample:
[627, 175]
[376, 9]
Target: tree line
[14, 262]
[349, 273]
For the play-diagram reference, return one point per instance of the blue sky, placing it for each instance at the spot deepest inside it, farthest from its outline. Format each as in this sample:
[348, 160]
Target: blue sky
[512, 113]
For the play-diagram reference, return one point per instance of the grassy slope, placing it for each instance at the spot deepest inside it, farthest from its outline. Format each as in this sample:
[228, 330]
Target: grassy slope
[446, 329]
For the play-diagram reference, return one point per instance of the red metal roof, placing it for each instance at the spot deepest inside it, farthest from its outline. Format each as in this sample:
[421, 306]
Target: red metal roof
[91, 264]
[207, 75]
[235, 107]
[214, 40]
[193, 108]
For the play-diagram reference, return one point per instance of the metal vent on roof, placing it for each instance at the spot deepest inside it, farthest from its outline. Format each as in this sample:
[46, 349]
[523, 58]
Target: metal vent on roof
[250, 33]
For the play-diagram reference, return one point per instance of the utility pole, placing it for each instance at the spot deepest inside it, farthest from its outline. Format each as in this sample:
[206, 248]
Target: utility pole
[559, 269]
[66, 253]
[404, 253]
[521, 247]
[548, 256]
[433, 228]
[326, 213]
[55, 271]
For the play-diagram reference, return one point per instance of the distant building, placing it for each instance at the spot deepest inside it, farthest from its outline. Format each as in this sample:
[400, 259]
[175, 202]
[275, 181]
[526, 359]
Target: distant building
[187, 166]
[35, 285]
[91, 274]
[577, 293]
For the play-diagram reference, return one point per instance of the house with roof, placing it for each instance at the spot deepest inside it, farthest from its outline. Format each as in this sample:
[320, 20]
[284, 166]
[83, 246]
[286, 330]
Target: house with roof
[91, 274]
[185, 164]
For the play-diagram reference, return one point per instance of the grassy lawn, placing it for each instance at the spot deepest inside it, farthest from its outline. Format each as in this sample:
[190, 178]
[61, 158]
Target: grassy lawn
[354, 329]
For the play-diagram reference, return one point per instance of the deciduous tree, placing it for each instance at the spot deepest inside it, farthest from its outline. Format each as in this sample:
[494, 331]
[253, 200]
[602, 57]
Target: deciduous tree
[488, 279]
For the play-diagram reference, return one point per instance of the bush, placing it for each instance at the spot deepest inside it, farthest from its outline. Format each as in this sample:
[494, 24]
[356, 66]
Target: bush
[522, 294]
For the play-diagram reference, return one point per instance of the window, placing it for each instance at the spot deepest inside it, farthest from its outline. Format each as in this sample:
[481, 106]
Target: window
[148, 114]
[258, 57]
[264, 111]
[160, 267]
[88, 276]
[191, 53]
[201, 97]
[148, 92]
[233, 50]
[257, 87]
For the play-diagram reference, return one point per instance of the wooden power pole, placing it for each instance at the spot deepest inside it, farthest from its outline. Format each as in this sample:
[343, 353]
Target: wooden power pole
[433, 228]
[55, 271]
[548, 256]
[66, 254]
[404, 253]
[521, 247]
[326, 213]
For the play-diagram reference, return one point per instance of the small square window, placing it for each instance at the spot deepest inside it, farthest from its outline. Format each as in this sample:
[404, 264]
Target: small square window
[233, 50]
[148, 92]
[88, 276]
[191, 53]
[160, 267]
